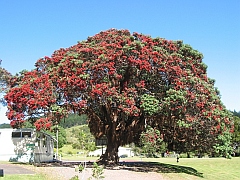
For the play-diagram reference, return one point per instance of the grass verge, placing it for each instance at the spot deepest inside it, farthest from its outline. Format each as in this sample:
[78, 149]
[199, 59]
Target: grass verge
[25, 177]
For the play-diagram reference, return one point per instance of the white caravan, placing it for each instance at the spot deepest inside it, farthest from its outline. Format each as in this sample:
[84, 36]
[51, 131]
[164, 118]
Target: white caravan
[25, 145]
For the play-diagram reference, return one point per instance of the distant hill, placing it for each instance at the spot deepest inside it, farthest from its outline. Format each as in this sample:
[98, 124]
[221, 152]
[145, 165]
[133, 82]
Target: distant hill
[73, 133]
[5, 125]
[235, 113]
[73, 120]
[70, 121]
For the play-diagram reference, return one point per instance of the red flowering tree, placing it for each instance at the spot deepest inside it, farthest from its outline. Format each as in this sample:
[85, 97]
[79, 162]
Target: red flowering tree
[124, 82]
[32, 97]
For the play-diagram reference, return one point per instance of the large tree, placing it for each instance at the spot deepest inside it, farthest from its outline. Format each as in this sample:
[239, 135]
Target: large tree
[124, 82]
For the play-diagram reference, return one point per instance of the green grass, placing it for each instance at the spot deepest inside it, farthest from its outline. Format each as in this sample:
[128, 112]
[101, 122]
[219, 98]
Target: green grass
[198, 168]
[67, 149]
[24, 177]
[70, 154]
[78, 158]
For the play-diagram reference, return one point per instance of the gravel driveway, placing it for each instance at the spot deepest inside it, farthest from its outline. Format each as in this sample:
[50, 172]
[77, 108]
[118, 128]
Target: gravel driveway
[15, 169]
[65, 173]
[123, 172]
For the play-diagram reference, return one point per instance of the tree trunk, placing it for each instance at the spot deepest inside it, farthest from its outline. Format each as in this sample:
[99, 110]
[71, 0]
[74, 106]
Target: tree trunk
[110, 157]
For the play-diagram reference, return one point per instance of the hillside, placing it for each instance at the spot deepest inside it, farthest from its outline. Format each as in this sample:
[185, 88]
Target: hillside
[5, 125]
[79, 139]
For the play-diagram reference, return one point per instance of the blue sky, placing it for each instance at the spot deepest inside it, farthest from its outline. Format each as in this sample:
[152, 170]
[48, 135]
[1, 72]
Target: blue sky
[33, 29]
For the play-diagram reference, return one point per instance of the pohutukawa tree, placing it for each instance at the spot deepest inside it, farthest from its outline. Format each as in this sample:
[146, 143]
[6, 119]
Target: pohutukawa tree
[124, 82]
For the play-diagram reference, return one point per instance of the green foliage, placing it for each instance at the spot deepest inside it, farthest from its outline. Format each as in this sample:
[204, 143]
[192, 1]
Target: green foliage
[28, 124]
[149, 104]
[75, 177]
[80, 168]
[176, 96]
[235, 113]
[81, 138]
[183, 124]
[57, 109]
[151, 141]
[223, 147]
[69, 152]
[62, 140]
[236, 133]
[97, 171]
[85, 139]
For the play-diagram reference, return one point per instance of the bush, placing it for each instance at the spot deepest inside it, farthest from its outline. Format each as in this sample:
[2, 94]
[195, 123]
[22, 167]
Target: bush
[69, 152]
[75, 177]
[76, 146]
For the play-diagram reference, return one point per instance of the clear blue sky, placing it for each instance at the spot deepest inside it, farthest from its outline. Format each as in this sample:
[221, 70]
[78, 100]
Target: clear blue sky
[33, 29]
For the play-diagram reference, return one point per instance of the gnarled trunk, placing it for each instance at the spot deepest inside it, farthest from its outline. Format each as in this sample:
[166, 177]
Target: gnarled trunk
[111, 154]
[118, 131]
[113, 142]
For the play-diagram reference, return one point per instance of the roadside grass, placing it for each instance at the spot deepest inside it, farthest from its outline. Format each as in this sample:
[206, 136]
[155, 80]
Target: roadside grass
[25, 177]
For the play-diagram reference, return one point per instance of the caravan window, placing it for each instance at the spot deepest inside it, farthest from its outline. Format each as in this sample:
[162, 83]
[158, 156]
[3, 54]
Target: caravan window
[26, 134]
[16, 134]
[21, 134]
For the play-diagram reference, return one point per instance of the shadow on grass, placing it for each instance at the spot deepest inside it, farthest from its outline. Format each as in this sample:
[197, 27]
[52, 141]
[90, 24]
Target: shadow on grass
[159, 167]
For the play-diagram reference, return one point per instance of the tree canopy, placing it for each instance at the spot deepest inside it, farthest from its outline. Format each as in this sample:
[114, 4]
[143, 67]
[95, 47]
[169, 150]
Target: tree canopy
[124, 82]
[5, 78]
[236, 134]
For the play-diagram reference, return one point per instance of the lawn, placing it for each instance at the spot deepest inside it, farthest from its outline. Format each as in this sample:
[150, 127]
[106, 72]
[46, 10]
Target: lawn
[200, 168]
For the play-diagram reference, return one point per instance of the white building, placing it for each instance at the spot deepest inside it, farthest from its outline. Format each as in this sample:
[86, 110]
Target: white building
[25, 145]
